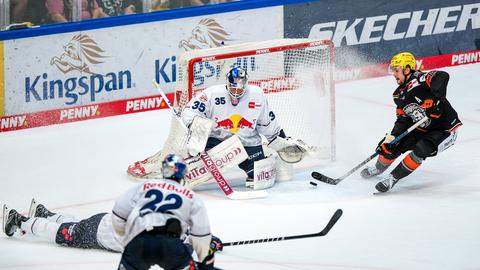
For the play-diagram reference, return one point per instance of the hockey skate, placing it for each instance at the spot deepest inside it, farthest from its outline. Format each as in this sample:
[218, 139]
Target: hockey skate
[370, 172]
[146, 168]
[11, 221]
[137, 169]
[249, 182]
[39, 210]
[386, 184]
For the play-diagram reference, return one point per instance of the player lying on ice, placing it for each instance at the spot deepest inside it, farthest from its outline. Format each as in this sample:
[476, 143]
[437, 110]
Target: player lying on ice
[418, 94]
[226, 121]
[109, 231]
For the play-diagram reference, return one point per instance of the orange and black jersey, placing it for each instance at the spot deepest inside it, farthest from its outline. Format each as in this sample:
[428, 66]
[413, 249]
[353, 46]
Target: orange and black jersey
[423, 94]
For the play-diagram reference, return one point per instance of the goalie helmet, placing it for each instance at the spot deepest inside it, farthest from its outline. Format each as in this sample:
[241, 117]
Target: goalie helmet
[174, 167]
[236, 82]
[402, 60]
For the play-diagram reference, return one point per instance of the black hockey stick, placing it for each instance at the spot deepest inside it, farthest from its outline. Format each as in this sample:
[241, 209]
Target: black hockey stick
[333, 181]
[324, 232]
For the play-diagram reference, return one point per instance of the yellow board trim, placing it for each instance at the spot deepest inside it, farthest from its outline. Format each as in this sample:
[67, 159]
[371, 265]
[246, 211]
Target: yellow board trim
[2, 80]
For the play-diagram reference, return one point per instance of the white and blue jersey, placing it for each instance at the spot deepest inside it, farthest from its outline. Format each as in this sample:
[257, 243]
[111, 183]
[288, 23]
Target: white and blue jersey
[249, 118]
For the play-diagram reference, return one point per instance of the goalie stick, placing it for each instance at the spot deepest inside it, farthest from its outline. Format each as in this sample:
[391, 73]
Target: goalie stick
[212, 167]
[333, 181]
[323, 232]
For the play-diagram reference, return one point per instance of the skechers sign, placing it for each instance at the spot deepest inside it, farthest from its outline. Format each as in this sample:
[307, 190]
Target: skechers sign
[372, 31]
[79, 55]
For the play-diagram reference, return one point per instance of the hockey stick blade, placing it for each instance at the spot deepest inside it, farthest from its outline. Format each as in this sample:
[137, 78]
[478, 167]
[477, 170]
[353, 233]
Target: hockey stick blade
[333, 220]
[322, 178]
[336, 216]
[246, 195]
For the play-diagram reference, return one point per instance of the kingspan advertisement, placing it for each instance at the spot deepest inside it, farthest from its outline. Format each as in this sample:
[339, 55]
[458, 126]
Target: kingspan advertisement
[372, 31]
[104, 65]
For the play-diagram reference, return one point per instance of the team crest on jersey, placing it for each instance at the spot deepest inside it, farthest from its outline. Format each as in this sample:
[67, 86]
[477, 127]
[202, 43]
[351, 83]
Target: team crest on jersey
[416, 112]
[234, 123]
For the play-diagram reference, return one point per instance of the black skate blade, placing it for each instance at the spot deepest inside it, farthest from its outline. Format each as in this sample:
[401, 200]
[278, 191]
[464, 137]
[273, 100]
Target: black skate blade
[322, 178]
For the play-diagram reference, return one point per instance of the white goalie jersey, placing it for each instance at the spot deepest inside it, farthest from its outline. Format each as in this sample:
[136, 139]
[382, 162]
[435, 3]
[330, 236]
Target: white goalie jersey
[249, 118]
[151, 203]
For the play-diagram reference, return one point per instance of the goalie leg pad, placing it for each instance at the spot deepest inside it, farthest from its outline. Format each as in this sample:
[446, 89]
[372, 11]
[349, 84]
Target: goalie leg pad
[175, 144]
[226, 155]
[284, 170]
[264, 172]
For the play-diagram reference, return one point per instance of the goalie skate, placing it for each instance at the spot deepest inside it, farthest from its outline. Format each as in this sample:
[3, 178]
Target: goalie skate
[145, 169]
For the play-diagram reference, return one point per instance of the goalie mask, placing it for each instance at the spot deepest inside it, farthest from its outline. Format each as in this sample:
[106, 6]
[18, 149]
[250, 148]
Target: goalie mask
[236, 82]
[174, 168]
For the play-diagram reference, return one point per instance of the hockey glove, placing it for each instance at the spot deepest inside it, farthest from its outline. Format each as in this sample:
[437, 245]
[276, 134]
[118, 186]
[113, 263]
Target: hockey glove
[385, 148]
[215, 245]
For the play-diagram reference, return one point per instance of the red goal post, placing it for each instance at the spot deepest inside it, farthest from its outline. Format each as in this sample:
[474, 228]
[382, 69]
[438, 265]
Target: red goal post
[296, 75]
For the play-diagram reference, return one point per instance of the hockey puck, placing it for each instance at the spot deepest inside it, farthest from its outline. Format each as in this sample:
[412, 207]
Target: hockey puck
[313, 183]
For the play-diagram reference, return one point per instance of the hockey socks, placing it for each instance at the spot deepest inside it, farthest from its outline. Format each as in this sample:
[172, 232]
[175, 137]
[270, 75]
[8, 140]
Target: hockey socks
[380, 166]
[410, 163]
[41, 227]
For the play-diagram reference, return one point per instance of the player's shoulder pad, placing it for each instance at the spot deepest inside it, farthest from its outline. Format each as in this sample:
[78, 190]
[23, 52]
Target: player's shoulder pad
[418, 74]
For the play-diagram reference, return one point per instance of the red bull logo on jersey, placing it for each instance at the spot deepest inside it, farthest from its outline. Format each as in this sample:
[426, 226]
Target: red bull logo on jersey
[234, 123]
[163, 185]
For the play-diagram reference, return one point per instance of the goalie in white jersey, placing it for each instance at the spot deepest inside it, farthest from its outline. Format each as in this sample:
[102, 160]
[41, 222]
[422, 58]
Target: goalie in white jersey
[154, 215]
[241, 109]
[236, 109]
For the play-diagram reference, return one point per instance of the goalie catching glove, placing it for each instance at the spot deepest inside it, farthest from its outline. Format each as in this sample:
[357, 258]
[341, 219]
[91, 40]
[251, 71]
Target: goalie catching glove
[289, 150]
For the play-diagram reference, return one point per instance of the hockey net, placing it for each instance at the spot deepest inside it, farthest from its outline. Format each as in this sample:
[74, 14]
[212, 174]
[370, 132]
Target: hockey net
[295, 74]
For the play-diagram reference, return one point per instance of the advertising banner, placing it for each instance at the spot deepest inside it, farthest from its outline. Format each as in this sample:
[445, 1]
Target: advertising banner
[2, 81]
[79, 113]
[372, 31]
[68, 70]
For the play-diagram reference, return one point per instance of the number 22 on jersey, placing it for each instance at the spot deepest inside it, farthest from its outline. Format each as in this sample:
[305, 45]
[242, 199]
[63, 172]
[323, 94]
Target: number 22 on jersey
[159, 204]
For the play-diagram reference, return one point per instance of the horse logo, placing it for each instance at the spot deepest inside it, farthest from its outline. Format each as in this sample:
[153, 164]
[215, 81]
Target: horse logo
[207, 34]
[81, 52]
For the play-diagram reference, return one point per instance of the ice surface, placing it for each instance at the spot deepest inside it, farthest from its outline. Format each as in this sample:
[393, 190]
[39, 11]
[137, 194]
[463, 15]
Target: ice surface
[430, 220]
